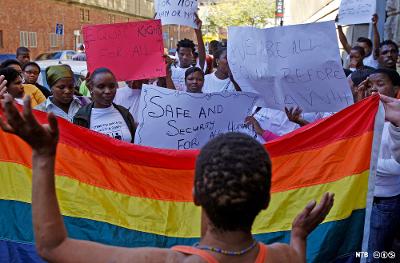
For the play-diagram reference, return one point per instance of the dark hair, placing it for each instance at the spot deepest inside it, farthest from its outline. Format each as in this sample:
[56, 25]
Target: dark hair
[9, 62]
[392, 74]
[186, 43]
[219, 52]
[10, 75]
[389, 42]
[214, 44]
[360, 75]
[365, 40]
[21, 50]
[232, 181]
[30, 64]
[359, 50]
[97, 72]
[192, 70]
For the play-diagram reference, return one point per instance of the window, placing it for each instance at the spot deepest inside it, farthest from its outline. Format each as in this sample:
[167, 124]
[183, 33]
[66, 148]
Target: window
[1, 39]
[111, 19]
[53, 40]
[23, 39]
[32, 39]
[84, 15]
[87, 15]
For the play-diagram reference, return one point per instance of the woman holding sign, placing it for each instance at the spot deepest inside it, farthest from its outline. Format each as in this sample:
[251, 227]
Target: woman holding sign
[102, 115]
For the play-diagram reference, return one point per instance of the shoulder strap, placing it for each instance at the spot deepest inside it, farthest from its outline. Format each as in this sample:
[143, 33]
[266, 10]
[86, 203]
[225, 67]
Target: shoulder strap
[262, 253]
[195, 251]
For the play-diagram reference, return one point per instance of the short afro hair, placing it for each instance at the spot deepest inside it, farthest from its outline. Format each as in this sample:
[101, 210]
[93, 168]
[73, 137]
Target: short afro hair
[31, 63]
[219, 52]
[359, 50]
[10, 75]
[360, 75]
[22, 50]
[186, 43]
[365, 40]
[232, 181]
[10, 62]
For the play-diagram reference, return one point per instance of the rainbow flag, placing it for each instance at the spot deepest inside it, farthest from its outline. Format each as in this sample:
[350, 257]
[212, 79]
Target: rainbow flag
[126, 195]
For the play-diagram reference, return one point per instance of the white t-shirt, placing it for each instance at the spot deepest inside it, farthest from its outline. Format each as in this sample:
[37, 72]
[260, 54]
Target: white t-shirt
[178, 76]
[109, 121]
[370, 61]
[129, 98]
[214, 84]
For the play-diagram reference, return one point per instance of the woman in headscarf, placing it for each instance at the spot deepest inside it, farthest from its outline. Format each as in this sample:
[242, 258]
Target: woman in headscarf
[62, 103]
[102, 115]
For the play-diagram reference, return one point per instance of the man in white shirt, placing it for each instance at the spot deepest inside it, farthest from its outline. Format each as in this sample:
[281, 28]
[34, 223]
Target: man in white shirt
[185, 52]
[370, 58]
[385, 214]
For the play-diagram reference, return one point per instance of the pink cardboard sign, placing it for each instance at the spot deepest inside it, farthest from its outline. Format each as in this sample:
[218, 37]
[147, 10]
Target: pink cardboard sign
[132, 51]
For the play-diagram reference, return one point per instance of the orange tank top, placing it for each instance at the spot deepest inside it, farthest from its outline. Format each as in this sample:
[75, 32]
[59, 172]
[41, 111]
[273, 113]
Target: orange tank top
[262, 254]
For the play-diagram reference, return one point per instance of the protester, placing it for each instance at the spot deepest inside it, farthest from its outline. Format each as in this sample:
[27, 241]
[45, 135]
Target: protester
[14, 83]
[386, 205]
[129, 97]
[102, 115]
[62, 103]
[388, 54]
[185, 50]
[356, 56]
[23, 55]
[370, 58]
[234, 161]
[31, 71]
[29, 89]
[194, 80]
[222, 78]
[18, 90]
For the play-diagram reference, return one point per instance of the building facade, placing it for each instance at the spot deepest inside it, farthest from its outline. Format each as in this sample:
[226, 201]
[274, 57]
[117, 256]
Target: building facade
[325, 10]
[32, 23]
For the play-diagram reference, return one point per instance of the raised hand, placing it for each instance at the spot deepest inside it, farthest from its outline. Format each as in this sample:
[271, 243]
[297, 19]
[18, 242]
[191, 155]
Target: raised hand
[363, 90]
[42, 138]
[252, 121]
[294, 115]
[312, 216]
[3, 87]
[392, 109]
[375, 19]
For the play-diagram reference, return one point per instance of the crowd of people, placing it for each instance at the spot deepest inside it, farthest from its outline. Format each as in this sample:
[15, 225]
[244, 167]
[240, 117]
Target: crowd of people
[226, 229]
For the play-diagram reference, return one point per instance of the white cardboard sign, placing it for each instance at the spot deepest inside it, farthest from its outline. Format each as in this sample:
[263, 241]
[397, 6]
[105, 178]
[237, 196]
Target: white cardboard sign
[176, 12]
[179, 120]
[353, 12]
[290, 66]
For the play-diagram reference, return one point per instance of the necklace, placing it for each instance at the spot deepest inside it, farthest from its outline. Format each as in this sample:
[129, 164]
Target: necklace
[227, 252]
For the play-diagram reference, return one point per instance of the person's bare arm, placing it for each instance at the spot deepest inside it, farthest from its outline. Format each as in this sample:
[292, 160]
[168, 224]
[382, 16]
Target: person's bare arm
[168, 78]
[343, 39]
[200, 43]
[50, 234]
[302, 226]
[377, 39]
